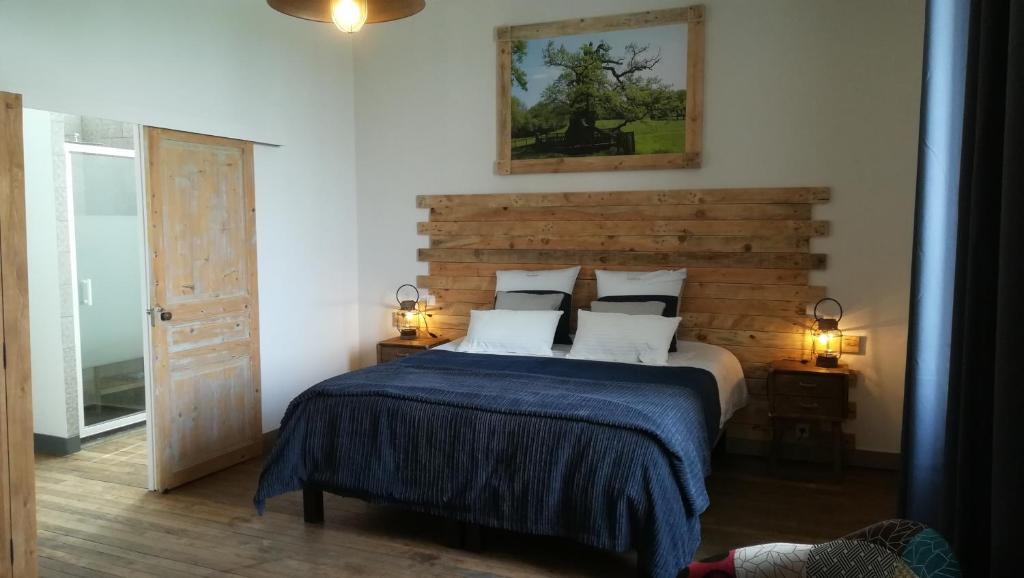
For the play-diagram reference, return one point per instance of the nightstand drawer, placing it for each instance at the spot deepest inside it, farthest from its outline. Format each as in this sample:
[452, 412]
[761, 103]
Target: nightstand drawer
[809, 385]
[392, 353]
[807, 406]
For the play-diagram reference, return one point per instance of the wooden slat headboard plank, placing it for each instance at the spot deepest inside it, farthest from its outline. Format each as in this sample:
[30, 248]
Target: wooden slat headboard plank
[737, 228]
[668, 197]
[772, 260]
[746, 251]
[783, 212]
[693, 274]
[631, 243]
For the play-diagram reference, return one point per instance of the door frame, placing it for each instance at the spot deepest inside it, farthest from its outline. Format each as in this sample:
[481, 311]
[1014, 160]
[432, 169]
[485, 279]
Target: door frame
[16, 386]
[140, 201]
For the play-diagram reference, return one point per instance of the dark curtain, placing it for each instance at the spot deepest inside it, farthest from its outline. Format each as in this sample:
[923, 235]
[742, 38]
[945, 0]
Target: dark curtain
[971, 487]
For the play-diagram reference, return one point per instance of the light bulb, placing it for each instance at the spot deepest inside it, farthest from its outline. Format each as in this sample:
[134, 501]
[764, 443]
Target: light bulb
[823, 339]
[349, 15]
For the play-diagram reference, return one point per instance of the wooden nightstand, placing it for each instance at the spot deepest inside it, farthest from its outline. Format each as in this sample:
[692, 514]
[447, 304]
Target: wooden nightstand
[804, 392]
[397, 348]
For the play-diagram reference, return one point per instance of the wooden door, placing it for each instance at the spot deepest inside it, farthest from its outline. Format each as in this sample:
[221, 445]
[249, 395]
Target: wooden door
[17, 475]
[205, 336]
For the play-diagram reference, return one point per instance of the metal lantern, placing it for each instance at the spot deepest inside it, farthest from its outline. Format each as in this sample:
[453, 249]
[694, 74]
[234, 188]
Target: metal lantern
[407, 317]
[827, 344]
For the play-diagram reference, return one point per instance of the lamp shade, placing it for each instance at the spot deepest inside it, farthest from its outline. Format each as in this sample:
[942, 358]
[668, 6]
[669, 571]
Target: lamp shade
[827, 344]
[322, 10]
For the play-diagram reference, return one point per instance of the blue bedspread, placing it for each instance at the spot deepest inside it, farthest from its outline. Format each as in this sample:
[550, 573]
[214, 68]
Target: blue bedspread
[608, 454]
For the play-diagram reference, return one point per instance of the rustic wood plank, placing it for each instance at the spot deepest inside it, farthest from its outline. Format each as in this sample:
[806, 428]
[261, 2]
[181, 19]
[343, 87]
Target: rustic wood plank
[644, 243]
[17, 488]
[598, 24]
[461, 301]
[693, 274]
[734, 337]
[656, 260]
[777, 324]
[735, 227]
[504, 102]
[690, 289]
[695, 81]
[618, 198]
[781, 211]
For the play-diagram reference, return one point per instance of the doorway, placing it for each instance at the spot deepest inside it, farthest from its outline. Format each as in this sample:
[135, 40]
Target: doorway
[104, 198]
[85, 229]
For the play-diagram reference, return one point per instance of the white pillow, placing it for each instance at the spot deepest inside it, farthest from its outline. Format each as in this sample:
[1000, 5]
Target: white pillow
[504, 331]
[613, 283]
[549, 280]
[623, 338]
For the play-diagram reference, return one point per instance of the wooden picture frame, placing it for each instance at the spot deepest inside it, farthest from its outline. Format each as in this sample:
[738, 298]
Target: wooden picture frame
[690, 157]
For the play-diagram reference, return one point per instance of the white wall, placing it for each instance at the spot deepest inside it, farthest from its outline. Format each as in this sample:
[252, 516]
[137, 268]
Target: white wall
[797, 93]
[49, 407]
[233, 68]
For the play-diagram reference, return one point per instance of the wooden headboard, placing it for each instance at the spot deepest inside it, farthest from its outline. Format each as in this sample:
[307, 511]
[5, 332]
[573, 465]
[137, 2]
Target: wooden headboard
[747, 252]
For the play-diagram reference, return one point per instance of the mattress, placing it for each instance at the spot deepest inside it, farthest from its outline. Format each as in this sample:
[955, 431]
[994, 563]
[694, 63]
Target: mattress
[732, 386]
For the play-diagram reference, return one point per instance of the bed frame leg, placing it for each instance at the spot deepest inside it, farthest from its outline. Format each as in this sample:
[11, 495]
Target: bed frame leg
[472, 537]
[463, 536]
[313, 505]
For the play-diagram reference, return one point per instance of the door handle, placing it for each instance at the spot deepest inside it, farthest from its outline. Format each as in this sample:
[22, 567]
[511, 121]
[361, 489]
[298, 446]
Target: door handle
[160, 312]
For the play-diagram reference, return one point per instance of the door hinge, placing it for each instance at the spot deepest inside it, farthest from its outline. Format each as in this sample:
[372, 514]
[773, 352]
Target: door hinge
[5, 355]
[12, 551]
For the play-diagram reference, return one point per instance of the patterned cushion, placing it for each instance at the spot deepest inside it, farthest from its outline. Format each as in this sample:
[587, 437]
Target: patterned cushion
[890, 549]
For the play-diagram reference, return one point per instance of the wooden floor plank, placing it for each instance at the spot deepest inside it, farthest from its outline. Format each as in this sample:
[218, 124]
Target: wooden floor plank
[96, 522]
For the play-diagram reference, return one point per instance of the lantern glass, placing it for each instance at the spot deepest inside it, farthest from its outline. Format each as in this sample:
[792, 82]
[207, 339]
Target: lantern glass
[827, 343]
[407, 321]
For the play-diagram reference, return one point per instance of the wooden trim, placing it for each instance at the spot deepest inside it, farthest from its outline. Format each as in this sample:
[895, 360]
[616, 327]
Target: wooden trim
[693, 274]
[691, 157]
[598, 24]
[695, 84]
[17, 504]
[782, 211]
[650, 259]
[748, 228]
[504, 103]
[723, 196]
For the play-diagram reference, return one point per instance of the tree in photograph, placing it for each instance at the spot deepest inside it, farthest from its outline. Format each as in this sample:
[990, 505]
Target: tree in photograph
[595, 84]
[518, 55]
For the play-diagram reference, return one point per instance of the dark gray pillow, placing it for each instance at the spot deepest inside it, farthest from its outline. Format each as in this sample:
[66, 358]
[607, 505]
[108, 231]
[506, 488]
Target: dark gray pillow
[628, 307]
[515, 301]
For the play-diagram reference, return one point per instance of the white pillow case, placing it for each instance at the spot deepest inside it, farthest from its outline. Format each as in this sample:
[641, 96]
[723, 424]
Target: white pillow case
[527, 301]
[503, 331]
[623, 338]
[614, 283]
[549, 280]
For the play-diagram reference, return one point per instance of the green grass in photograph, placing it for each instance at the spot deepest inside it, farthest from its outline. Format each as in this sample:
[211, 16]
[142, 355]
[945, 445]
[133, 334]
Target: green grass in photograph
[652, 137]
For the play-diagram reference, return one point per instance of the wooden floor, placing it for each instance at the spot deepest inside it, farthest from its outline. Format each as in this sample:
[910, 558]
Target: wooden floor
[96, 519]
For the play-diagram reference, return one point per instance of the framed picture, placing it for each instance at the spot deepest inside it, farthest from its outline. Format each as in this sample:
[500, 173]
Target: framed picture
[609, 93]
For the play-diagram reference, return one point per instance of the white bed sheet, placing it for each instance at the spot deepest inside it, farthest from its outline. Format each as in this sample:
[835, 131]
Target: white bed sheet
[732, 387]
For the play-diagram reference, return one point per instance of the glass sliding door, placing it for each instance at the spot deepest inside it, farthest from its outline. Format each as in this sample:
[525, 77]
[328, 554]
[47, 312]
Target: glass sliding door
[108, 284]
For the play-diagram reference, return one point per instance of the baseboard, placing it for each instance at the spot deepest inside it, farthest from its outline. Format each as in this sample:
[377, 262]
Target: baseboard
[817, 454]
[269, 439]
[56, 446]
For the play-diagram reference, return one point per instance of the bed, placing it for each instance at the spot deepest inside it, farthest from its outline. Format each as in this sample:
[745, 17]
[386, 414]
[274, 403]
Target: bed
[612, 455]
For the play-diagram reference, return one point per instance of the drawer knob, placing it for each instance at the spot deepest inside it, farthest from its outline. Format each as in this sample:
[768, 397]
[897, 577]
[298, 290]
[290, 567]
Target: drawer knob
[808, 405]
[808, 385]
